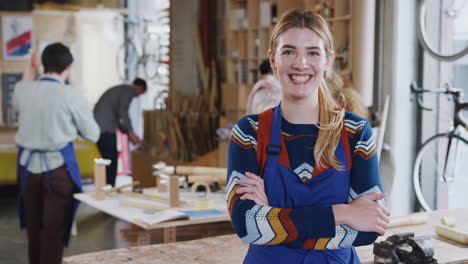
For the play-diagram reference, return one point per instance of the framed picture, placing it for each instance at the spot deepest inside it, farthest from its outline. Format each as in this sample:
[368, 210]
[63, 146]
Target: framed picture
[17, 36]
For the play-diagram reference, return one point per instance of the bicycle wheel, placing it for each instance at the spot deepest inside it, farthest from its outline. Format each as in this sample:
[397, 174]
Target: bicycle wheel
[438, 179]
[127, 58]
[424, 40]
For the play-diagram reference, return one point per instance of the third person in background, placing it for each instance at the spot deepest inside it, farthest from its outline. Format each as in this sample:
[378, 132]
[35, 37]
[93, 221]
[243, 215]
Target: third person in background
[266, 93]
[111, 113]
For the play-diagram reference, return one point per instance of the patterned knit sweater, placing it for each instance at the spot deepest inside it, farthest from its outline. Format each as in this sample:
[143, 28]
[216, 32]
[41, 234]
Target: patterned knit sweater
[310, 227]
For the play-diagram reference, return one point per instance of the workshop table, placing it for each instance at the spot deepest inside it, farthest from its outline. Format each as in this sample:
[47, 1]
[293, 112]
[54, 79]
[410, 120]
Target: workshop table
[140, 232]
[229, 249]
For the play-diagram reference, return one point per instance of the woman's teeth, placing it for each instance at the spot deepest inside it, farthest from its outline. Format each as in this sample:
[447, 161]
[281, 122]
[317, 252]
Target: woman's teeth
[300, 78]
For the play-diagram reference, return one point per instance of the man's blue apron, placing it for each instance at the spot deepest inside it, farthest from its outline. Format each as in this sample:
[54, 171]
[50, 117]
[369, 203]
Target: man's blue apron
[69, 157]
[285, 189]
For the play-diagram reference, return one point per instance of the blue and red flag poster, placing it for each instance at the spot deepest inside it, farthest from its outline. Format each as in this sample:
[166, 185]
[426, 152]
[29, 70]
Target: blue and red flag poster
[17, 36]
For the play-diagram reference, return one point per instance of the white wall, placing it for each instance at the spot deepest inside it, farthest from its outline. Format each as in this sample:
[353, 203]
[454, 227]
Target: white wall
[399, 70]
[98, 40]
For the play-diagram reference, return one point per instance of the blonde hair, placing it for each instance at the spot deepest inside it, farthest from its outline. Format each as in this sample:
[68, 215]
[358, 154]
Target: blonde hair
[331, 109]
[353, 100]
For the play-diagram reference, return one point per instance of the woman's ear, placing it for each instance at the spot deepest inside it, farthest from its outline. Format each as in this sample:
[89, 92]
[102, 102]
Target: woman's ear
[272, 61]
[330, 62]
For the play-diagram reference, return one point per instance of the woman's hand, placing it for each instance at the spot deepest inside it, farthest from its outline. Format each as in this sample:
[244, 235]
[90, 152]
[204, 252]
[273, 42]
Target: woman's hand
[255, 189]
[364, 214]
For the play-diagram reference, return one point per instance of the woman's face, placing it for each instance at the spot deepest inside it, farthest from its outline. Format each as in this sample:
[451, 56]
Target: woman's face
[299, 62]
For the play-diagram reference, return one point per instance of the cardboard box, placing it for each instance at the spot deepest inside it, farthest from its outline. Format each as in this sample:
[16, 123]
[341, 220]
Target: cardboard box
[223, 153]
[142, 163]
[234, 96]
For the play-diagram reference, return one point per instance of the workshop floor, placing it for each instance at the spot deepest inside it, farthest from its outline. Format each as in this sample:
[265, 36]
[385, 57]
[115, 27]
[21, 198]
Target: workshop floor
[96, 231]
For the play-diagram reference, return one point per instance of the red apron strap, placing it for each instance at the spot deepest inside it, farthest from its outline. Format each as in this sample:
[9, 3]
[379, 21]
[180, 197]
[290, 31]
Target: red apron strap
[263, 137]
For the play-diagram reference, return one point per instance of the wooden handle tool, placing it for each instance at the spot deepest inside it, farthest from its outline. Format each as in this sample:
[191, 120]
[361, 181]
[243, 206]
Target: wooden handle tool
[141, 205]
[453, 234]
[412, 219]
[449, 221]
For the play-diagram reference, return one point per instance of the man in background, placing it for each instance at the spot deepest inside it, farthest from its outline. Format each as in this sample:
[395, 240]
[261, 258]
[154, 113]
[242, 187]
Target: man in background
[111, 113]
[51, 116]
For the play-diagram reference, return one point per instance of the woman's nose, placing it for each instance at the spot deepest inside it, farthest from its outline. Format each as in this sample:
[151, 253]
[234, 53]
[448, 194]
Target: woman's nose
[301, 62]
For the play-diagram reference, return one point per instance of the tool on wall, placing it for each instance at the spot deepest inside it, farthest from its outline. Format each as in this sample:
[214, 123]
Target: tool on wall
[404, 248]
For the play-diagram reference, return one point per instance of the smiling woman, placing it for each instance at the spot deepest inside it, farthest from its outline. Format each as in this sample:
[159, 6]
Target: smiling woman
[303, 178]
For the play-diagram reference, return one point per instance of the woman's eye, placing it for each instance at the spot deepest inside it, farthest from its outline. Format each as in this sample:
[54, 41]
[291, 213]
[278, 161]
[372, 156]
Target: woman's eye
[314, 53]
[287, 52]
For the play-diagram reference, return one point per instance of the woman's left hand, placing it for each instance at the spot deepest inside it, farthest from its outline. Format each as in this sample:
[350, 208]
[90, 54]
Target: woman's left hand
[255, 189]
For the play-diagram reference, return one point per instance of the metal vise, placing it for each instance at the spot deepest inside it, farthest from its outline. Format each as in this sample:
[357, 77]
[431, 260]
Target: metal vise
[404, 248]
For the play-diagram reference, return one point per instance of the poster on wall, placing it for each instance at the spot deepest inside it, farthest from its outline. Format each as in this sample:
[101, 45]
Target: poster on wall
[16, 36]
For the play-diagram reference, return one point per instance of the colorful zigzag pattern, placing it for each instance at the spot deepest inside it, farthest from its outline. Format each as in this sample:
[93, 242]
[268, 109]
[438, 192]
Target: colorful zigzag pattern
[265, 225]
[242, 139]
[353, 127]
[365, 149]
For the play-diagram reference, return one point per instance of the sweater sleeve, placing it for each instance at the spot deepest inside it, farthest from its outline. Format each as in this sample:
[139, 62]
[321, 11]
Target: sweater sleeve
[266, 225]
[124, 122]
[82, 116]
[365, 177]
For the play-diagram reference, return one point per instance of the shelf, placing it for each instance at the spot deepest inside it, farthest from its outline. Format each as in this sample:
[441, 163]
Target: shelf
[8, 129]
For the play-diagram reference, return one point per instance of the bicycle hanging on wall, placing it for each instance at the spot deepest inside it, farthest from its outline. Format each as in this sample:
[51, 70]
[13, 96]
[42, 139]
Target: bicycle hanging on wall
[145, 52]
[424, 40]
[442, 160]
[441, 164]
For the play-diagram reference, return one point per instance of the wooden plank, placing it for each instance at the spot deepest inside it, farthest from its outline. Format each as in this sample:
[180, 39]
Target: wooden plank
[204, 72]
[141, 205]
[174, 191]
[183, 233]
[150, 197]
[99, 180]
[169, 234]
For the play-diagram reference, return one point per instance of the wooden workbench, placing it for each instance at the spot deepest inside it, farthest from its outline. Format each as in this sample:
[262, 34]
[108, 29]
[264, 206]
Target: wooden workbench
[141, 233]
[229, 248]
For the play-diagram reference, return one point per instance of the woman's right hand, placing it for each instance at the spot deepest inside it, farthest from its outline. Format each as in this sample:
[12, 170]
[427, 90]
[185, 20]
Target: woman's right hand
[254, 189]
[364, 214]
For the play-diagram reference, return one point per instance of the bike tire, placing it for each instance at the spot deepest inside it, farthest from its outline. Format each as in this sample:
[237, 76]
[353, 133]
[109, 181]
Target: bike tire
[426, 172]
[127, 56]
[421, 34]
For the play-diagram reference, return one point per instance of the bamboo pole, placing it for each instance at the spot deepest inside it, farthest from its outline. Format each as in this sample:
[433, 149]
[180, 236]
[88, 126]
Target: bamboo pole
[141, 205]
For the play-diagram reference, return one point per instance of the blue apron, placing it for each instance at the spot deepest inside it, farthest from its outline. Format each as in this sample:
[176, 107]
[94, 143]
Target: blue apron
[69, 157]
[285, 189]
